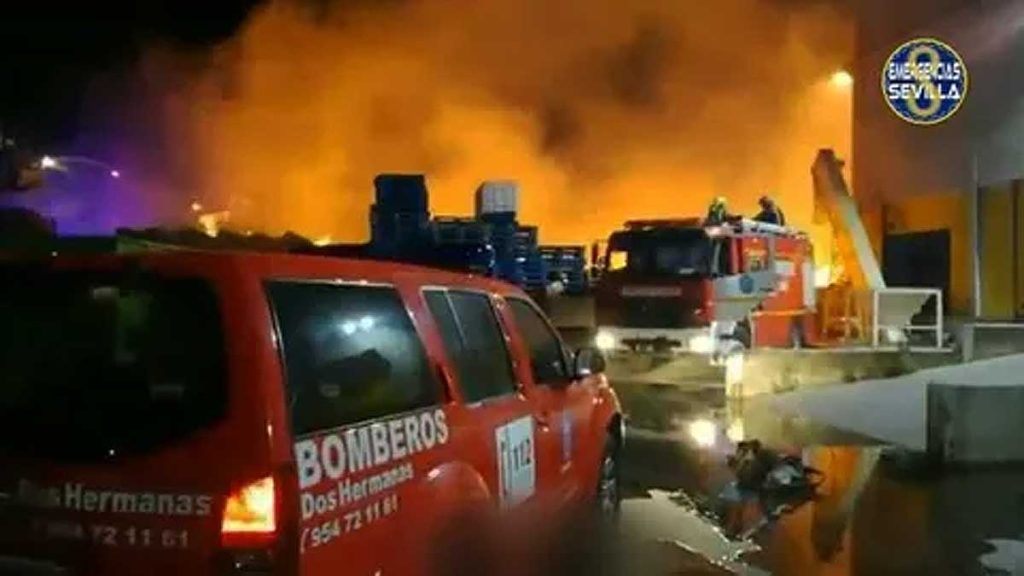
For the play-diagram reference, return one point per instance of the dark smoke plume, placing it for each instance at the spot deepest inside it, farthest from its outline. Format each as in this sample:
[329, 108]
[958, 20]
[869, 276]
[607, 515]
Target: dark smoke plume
[602, 109]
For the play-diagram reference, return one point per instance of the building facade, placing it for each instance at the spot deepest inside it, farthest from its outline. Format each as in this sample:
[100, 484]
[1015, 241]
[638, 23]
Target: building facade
[945, 203]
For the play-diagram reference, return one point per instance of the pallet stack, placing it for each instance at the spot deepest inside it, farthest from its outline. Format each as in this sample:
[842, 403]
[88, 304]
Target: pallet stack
[493, 242]
[517, 256]
[568, 264]
[459, 230]
[399, 217]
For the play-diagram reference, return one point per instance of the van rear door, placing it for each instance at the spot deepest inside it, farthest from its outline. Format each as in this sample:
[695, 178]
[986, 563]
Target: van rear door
[369, 424]
[114, 449]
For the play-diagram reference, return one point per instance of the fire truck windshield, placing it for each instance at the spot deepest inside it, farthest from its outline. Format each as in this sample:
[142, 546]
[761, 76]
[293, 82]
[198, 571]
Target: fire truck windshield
[661, 252]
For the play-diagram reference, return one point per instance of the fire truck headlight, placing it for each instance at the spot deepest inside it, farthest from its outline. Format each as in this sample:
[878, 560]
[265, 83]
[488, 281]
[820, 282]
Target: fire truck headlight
[604, 341]
[704, 433]
[702, 344]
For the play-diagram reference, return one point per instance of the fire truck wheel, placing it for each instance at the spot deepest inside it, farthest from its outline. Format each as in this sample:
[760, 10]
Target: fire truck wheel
[741, 333]
[796, 334]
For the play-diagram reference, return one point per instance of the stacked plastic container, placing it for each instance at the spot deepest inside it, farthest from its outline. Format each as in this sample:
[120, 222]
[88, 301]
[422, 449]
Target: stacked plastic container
[497, 200]
[455, 230]
[399, 218]
[517, 257]
[492, 243]
[462, 244]
[569, 264]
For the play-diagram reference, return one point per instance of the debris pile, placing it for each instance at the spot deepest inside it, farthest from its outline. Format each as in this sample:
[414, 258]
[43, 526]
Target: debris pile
[767, 485]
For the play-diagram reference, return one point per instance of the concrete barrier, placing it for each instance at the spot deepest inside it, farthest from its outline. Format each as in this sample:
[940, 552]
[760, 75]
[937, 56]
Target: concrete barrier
[779, 371]
[768, 371]
[966, 414]
[975, 423]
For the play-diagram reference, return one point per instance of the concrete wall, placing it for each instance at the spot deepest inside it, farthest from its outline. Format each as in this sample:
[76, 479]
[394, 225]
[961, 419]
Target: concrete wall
[924, 175]
[894, 158]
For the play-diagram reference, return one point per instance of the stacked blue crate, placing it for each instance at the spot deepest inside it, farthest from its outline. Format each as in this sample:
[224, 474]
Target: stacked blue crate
[401, 193]
[399, 220]
[516, 261]
[475, 258]
[498, 218]
[517, 258]
[461, 243]
[534, 268]
[456, 230]
[392, 233]
[507, 267]
[535, 272]
[569, 263]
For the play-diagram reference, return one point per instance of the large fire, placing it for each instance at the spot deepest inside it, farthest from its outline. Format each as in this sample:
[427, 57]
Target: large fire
[603, 110]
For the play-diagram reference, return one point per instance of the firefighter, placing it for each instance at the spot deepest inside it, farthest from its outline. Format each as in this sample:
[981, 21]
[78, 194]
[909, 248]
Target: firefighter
[718, 212]
[770, 212]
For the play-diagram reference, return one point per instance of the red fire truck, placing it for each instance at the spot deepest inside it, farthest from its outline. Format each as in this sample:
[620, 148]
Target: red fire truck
[677, 286]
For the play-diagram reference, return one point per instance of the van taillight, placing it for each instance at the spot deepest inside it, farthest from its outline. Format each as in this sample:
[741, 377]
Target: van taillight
[250, 513]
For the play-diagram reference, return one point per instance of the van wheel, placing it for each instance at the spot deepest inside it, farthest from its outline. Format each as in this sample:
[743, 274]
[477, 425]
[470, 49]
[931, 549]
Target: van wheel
[462, 545]
[609, 489]
[796, 335]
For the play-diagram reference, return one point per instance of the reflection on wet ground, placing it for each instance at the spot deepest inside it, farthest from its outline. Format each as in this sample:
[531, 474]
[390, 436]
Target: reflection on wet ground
[878, 511]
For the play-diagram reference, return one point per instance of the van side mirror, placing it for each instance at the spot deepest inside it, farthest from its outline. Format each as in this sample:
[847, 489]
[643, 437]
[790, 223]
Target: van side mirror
[587, 362]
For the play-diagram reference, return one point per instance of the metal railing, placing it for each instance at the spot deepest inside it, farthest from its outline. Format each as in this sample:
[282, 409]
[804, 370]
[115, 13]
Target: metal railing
[969, 331]
[882, 317]
[894, 309]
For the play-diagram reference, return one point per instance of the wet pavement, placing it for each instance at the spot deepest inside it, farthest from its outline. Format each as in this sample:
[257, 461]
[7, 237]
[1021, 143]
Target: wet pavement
[878, 511]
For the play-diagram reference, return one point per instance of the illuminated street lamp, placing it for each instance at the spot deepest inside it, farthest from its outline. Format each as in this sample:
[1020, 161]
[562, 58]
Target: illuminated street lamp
[841, 79]
[61, 163]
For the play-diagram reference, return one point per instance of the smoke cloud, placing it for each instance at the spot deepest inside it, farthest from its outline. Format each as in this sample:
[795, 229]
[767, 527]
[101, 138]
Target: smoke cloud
[603, 110]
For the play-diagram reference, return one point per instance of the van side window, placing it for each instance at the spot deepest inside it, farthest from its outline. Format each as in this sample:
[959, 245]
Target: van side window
[547, 355]
[474, 343]
[351, 353]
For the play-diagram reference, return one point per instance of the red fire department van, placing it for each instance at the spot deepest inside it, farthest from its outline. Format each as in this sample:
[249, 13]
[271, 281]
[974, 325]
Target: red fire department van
[200, 413]
[680, 286]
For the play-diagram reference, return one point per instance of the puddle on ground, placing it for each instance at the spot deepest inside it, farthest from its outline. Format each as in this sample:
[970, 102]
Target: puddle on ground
[878, 511]
[1006, 557]
[660, 517]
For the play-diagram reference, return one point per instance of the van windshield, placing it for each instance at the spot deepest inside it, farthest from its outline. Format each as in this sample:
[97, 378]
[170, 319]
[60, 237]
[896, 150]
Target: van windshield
[101, 365]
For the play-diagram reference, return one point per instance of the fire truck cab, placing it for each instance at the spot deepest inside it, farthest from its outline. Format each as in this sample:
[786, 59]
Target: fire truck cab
[677, 286]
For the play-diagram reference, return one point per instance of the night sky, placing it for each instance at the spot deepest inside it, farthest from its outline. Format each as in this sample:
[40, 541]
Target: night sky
[49, 52]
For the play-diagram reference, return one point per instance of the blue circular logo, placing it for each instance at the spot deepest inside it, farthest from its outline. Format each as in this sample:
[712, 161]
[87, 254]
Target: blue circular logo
[924, 81]
[746, 284]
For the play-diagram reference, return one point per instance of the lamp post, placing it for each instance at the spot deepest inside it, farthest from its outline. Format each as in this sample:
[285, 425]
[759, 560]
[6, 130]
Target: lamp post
[841, 79]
